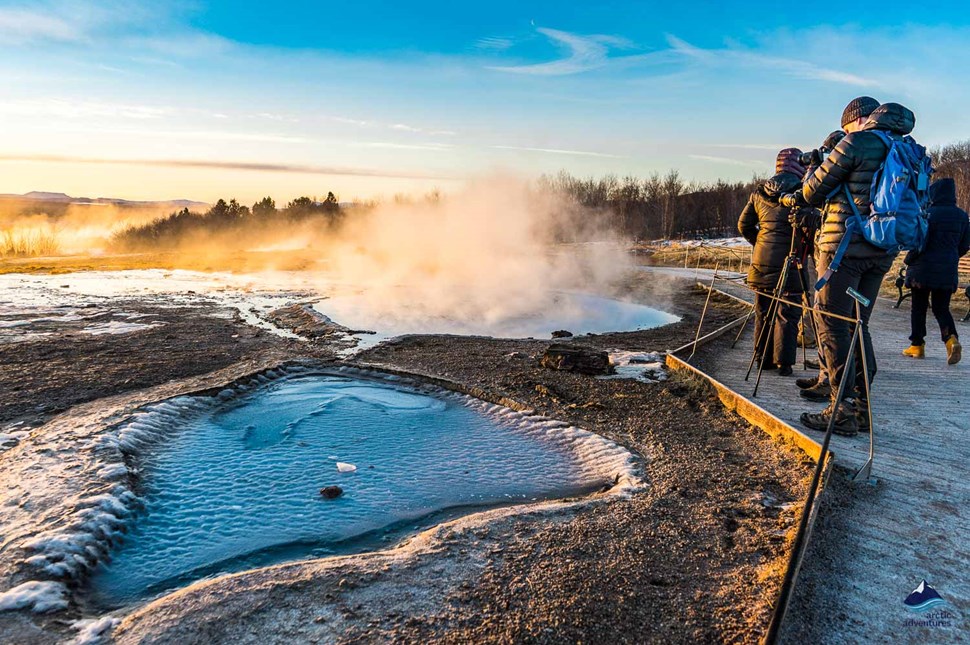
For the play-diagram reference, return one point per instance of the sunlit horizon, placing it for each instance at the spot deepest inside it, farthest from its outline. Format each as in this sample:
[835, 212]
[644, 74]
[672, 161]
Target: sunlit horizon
[157, 101]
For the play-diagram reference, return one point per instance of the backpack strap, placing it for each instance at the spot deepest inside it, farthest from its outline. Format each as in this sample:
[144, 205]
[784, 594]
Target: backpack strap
[853, 225]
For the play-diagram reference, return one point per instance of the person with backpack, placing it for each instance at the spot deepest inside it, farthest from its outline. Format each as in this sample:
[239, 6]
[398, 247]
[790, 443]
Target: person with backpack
[765, 224]
[817, 388]
[855, 250]
[932, 273]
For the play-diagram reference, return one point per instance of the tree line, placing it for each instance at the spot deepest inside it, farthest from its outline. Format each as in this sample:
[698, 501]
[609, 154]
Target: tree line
[228, 218]
[656, 207]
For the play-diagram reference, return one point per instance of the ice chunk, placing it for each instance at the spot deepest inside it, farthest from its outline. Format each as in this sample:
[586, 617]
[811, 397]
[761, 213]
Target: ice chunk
[345, 468]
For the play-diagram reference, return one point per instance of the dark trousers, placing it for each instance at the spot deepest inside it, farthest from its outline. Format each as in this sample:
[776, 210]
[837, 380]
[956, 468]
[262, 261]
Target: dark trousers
[865, 275]
[941, 310]
[779, 344]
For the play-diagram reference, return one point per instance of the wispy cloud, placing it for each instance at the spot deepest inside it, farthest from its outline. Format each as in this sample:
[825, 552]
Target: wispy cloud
[584, 53]
[748, 163]
[435, 147]
[62, 108]
[494, 43]
[559, 151]
[230, 165]
[19, 26]
[790, 66]
[747, 146]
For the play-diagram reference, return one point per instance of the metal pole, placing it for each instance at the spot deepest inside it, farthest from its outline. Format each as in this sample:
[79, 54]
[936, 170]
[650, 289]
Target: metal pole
[791, 573]
[744, 326]
[707, 303]
[865, 473]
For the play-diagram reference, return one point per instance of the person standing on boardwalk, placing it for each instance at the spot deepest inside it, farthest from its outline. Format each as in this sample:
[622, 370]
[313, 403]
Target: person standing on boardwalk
[765, 224]
[847, 174]
[932, 273]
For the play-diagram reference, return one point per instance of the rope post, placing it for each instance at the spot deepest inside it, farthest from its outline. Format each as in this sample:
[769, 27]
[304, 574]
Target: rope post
[700, 323]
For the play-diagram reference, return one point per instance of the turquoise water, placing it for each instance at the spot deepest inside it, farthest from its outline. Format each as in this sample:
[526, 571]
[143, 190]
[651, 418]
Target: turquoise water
[237, 486]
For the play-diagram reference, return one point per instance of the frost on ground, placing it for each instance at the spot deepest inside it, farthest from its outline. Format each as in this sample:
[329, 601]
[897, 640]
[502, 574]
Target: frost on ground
[93, 631]
[70, 495]
[36, 595]
[647, 367]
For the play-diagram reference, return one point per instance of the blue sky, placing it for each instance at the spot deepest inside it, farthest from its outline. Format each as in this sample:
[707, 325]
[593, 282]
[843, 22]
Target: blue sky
[142, 99]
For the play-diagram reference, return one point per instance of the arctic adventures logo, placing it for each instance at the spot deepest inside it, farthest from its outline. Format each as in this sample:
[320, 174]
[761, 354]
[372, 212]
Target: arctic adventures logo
[922, 600]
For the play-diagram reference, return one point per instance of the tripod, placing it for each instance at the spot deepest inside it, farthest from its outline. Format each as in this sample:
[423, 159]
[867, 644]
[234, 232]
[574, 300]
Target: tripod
[793, 260]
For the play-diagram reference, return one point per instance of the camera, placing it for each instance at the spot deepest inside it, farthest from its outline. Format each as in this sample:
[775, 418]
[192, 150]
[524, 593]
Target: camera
[814, 158]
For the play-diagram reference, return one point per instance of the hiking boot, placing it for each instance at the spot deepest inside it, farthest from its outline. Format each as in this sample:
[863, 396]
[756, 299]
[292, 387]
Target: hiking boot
[954, 351]
[818, 392]
[784, 370]
[919, 351]
[845, 425]
[811, 364]
[805, 383]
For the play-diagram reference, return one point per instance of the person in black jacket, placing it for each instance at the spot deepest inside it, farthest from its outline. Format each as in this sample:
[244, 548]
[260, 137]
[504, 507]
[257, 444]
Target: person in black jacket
[851, 165]
[765, 224]
[932, 273]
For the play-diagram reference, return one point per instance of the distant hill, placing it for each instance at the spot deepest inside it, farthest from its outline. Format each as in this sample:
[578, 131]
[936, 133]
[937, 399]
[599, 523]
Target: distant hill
[62, 198]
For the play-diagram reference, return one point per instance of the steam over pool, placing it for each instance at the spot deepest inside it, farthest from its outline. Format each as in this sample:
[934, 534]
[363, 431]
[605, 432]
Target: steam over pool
[237, 484]
[578, 313]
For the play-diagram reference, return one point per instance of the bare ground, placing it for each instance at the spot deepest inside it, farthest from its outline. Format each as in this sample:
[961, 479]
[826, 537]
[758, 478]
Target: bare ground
[695, 557]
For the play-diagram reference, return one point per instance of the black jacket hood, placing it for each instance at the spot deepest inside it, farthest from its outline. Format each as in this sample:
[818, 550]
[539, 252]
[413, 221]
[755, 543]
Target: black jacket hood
[783, 182]
[943, 193]
[893, 117]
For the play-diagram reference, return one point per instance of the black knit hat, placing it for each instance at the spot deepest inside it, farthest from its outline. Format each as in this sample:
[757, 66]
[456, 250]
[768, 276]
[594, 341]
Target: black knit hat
[859, 108]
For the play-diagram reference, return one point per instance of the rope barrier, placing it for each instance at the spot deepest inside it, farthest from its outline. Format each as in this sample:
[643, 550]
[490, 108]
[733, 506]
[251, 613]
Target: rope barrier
[864, 473]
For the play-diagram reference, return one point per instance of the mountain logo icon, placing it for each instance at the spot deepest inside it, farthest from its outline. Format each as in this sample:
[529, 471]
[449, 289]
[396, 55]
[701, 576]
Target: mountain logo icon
[923, 598]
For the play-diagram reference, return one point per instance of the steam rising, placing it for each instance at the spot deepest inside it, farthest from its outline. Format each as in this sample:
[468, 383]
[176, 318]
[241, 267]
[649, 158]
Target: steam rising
[484, 255]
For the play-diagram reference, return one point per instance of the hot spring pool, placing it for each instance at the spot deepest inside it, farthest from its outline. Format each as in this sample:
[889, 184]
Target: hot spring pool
[233, 482]
[579, 313]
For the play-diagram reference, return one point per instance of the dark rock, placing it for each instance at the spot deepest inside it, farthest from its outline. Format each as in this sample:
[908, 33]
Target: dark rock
[562, 333]
[331, 492]
[576, 359]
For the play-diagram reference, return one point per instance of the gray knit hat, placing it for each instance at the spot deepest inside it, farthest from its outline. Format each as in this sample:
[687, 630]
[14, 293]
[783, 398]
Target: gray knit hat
[859, 108]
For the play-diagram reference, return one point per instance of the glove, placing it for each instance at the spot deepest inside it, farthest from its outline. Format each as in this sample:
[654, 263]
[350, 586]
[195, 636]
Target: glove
[789, 200]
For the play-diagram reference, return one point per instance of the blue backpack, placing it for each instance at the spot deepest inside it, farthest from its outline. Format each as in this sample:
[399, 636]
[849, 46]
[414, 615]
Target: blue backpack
[899, 199]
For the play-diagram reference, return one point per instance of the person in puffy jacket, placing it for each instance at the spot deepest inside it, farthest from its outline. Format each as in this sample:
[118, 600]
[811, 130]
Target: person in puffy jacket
[765, 224]
[852, 165]
[932, 273]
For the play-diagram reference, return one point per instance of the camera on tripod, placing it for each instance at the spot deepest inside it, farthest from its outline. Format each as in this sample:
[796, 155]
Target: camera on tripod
[814, 158]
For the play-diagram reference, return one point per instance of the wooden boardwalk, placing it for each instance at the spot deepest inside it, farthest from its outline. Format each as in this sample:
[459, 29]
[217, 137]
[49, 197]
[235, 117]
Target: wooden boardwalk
[873, 544]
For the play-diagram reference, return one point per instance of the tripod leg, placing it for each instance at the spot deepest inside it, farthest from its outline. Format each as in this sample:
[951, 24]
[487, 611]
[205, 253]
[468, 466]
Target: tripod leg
[761, 338]
[770, 324]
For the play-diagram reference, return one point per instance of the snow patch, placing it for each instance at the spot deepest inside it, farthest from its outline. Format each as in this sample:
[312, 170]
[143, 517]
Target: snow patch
[646, 367]
[36, 595]
[93, 631]
[117, 327]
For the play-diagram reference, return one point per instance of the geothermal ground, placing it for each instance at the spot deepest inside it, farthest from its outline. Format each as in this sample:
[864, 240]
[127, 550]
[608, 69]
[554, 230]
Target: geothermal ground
[693, 553]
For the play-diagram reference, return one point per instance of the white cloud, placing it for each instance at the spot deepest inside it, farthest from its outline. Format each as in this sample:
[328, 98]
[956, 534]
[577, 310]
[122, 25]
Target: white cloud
[747, 163]
[494, 43]
[558, 151]
[729, 56]
[77, 109]
[434, 147]
[584, 53]
[19, 26]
